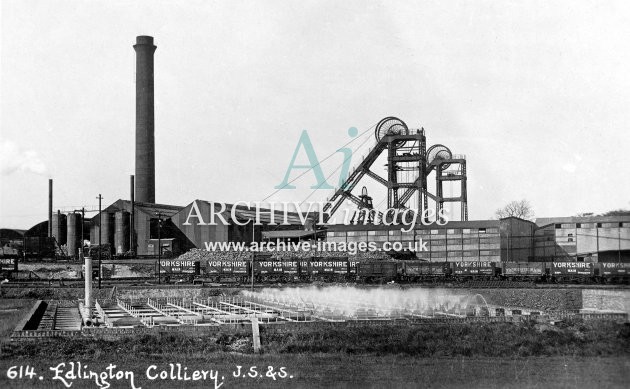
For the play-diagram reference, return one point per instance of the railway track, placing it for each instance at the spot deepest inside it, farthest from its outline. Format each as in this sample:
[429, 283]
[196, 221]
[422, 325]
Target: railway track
[153, 282]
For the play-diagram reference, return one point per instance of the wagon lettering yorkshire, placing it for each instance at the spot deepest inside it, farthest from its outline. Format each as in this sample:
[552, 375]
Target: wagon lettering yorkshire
[616, 265]
[572, 265]
[177, 263]
[474, 264]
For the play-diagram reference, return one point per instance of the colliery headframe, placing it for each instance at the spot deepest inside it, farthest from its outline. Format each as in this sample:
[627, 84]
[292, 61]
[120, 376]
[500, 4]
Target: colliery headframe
[409, 165]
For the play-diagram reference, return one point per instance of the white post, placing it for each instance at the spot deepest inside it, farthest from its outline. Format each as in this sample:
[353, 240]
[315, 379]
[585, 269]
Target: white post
[88, 284]
[255, 334]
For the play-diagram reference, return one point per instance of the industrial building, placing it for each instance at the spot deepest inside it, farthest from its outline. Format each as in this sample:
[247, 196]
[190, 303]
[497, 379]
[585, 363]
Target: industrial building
[589, 239]
[582, 239]
[128, 228]
[478, 240]
[132, 227]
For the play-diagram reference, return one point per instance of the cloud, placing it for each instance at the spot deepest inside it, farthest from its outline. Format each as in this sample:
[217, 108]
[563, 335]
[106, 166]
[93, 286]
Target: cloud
[14, 159]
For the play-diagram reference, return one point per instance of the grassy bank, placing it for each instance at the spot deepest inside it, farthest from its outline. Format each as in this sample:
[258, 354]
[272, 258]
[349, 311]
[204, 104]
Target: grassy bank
[478, 339]
[11, 312]
[457, 340]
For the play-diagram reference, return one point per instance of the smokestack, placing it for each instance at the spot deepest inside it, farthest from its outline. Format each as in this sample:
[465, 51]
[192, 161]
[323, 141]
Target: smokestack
[145, 120]
[50, 204]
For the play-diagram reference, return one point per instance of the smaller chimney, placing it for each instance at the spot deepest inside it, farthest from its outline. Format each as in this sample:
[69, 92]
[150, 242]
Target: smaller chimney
[50, 207]
[132, 225]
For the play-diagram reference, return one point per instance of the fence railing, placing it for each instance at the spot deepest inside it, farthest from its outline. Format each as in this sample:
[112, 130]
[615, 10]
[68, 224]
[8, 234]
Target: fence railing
[102, 314]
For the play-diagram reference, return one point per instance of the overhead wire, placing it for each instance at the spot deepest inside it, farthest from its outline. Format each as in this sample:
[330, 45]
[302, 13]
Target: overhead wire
[320, 162]
[334, 171]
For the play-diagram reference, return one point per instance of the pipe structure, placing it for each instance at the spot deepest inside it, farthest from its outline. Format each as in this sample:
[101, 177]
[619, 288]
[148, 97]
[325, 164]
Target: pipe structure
[72, 236]
[108, 228]
[59, 228]
[145, 120]
[121, 236]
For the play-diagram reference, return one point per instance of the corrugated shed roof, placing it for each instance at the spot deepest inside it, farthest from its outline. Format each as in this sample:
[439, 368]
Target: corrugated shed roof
[147, 208]
[11, 233]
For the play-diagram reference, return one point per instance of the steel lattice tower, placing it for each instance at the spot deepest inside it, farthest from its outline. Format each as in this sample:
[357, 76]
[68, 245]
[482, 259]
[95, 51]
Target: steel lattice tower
[406, 152]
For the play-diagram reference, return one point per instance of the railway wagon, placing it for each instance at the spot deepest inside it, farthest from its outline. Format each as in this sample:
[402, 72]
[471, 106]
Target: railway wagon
[234, 271]
[571, 271]
[524, 271]
[475, 270]
[276, 271]
[329, 269]
[8, 266]
[415, 271]
[612, 272]
[174, 268]
[377, 271]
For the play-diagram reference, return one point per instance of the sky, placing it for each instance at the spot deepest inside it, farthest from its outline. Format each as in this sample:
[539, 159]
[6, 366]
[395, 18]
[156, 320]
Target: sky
[535, 94]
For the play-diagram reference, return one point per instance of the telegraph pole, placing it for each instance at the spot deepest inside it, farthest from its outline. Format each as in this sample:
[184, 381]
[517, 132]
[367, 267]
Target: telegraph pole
[159, 215]
[82, 236]
[100, 233]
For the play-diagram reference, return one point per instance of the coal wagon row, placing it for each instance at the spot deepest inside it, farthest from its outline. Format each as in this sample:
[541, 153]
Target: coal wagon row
[343, 269]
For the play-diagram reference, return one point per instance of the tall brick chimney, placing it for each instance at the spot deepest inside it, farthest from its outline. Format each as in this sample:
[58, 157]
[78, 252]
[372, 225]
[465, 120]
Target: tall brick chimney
[145, 120]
